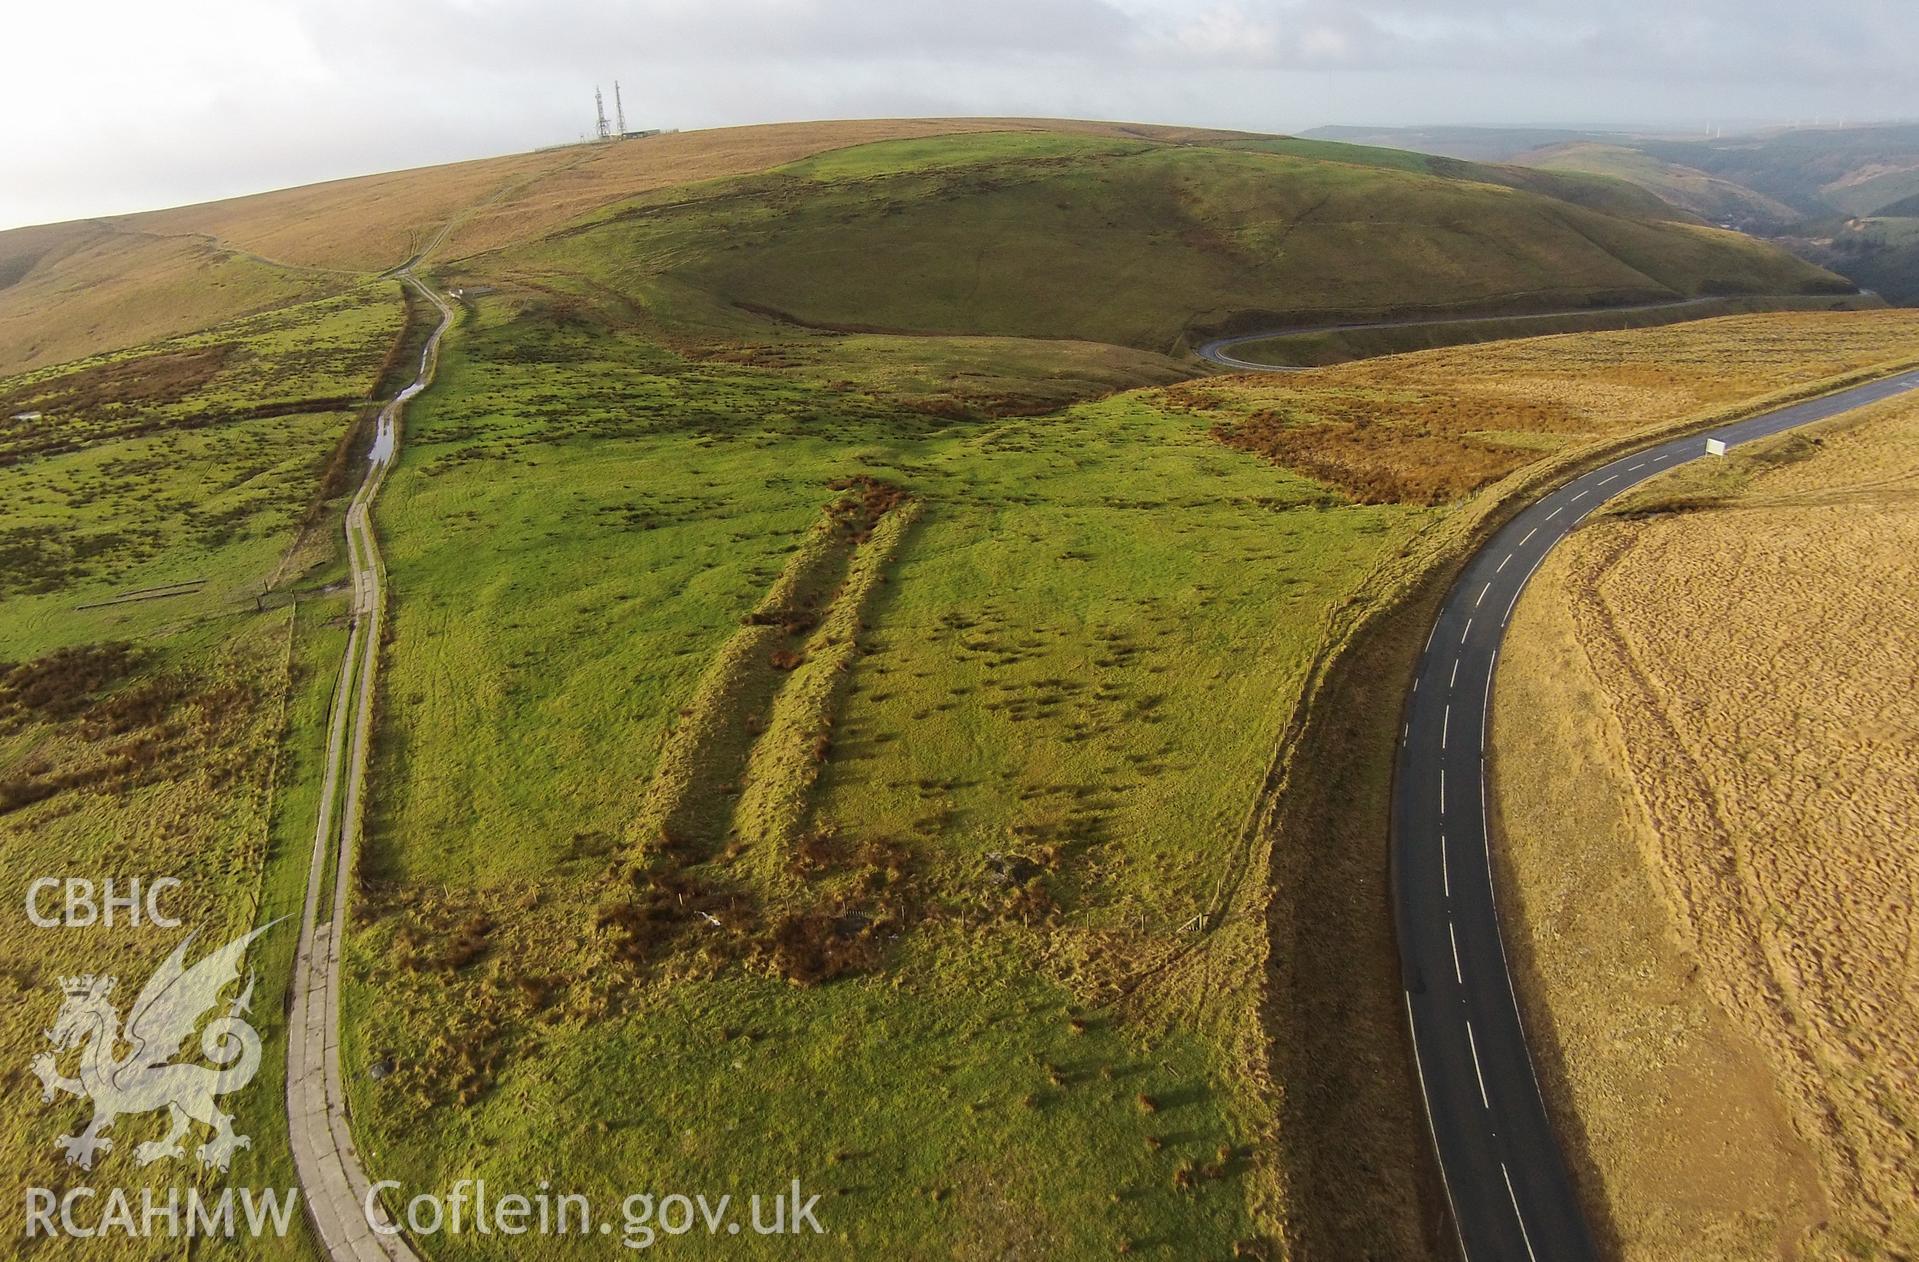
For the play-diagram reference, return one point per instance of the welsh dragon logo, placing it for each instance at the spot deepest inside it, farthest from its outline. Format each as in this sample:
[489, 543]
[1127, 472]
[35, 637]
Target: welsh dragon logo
[170, 1007]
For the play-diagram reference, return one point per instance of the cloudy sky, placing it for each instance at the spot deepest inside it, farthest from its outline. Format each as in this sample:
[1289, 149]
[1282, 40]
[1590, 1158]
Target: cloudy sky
[118, 105]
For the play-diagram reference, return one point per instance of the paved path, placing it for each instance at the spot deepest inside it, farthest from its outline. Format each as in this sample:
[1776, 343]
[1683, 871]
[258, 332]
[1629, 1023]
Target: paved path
[332, 1177]
[1505, 1177]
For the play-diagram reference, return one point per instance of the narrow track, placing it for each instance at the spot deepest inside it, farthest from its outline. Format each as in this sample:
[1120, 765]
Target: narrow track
[333, 1179]
[1220, 350]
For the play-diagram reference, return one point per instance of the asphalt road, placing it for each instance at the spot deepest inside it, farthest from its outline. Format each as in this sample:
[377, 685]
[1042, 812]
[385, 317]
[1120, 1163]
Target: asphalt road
[1219, 350]
[1504, 1173]
[333, 1180]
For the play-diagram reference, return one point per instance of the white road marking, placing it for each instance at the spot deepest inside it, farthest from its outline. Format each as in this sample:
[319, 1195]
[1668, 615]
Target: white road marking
[1486, 705]
[1415, 683]
[1524, 1235]
[1507, 616]
[1609, 478]
[1445, 870]
[1636, 468]
[1554, 513]
[1575, 499]
[1442, 792]
[1431, 634]
[1473, 1043]
[1445, 725]
[1482, 591]
[1458, 975]
[1455, 679]
[1426, 1099]
[1502, 562]
[1529, 534]
[1467, 631]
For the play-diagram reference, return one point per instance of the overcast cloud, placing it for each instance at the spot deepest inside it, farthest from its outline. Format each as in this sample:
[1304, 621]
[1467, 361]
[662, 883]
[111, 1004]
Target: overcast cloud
[124, 105]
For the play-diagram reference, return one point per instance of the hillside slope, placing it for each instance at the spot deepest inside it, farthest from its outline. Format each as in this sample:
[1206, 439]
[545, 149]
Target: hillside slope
[74, 289]
[1690, 189]
[1843, 198]
[69, 290]
[1808, 171]
[1030, 227]
[1130, 242]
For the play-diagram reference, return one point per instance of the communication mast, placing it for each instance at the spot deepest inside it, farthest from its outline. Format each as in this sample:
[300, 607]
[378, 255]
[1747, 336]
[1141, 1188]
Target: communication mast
[600, 129]
[619, 110]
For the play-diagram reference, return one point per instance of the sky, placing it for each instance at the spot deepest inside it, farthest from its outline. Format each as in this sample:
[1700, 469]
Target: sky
[122, 105]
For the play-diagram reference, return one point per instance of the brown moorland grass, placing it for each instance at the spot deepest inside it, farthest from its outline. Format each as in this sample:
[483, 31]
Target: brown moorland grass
[373, 222]
[81, 288]
[1706, 745]
[1432, 426]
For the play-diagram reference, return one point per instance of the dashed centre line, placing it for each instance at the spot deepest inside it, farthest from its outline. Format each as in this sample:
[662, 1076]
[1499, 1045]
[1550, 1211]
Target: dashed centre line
[1473, 1044]
[1524, 1235]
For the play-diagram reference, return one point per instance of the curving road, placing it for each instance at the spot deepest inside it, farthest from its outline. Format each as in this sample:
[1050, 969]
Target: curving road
[1219, 350]
[1505, 1176]
[332, 1178]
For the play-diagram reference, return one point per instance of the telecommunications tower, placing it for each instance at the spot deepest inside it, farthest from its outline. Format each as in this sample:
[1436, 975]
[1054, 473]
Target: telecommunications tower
[619, 111]
[600, 129]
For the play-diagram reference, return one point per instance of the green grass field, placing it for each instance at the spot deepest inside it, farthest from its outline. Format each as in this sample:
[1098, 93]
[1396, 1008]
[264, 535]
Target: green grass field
[579, 522]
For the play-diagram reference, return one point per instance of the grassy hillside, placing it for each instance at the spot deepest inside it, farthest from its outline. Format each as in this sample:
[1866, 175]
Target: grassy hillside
[1844, 198]
[73, 290]
[1474, 144]
[1134, 243]
[68, 290]
[960, 226]
[1708, 196]
[1595, 192]
[1811, 171]
[1854, 170]
[1881, 252]
[1841, 197]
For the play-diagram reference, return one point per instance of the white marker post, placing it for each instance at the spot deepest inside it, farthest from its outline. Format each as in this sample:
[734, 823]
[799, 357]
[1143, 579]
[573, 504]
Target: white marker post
[1715, 447]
